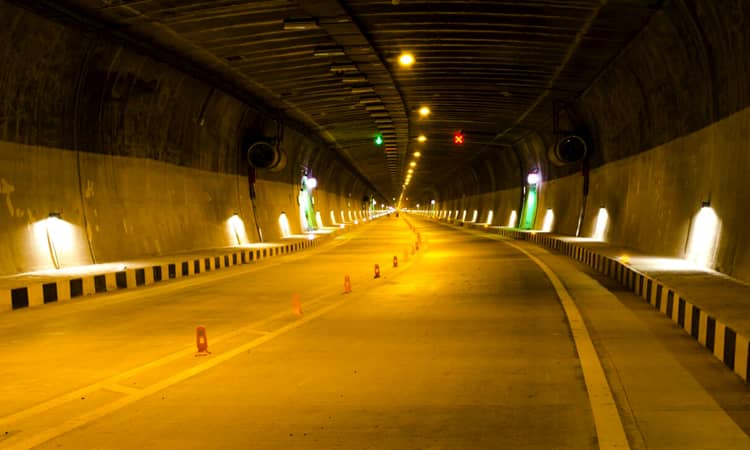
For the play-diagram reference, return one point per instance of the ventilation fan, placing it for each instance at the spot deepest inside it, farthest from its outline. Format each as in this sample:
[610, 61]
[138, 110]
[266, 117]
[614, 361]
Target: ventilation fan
[264, 155]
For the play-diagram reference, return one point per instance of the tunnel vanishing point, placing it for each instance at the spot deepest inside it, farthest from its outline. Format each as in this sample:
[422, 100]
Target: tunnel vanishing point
[549, 160]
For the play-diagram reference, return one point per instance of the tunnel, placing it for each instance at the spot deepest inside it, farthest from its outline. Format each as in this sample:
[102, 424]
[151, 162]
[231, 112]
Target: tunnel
[374, 224]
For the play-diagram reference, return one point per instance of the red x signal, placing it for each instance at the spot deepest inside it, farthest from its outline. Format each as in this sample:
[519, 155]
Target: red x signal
[458, 138]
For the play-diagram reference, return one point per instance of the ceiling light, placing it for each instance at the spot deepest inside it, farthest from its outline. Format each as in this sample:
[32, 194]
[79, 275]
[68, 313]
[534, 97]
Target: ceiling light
[307, 23]
[424, 111]
[328, 51]
[370, 99]
[413, 164]
[355, 78]
[362, 90]
[343, 67]
[417, 154]
[406, 59]
[422, 138]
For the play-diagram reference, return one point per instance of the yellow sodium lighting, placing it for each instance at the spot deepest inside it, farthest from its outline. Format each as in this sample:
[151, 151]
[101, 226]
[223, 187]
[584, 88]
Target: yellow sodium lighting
[625, 259]
[474, 216]
[417, 154]
[406, 59]
[422, 138]
[318, 219]
[59, 239]
[602, 219]
[513, 219]
[549, 219]
[424, 111]
[490, 217]
[333, 218]
[703, 239]
[413, 164]
[410, 171]
[463, 216]
[236, 229]
[284, 225]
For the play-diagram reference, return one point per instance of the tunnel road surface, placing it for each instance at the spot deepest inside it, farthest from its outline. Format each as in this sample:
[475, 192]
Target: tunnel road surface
[463, 345]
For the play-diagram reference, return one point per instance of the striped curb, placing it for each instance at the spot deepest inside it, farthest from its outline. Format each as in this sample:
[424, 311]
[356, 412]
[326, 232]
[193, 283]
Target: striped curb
[730, 347]
[68, 288]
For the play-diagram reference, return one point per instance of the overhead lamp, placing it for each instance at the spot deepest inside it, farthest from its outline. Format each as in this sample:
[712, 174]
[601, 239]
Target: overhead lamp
[413, 164]
[422, 138]
[406, 59]
[534, 177]
[354, 78]
[300, 23]
[410, 171]
[369, 99]
[343, 67]
[328, 51]
[417, 154]
[424, 111]
[362, 90]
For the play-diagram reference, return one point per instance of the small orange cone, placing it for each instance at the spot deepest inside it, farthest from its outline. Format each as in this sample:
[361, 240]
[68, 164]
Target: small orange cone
[377, 271]
[395, 261]
[347, 284]
[201, 341]
[296, 305]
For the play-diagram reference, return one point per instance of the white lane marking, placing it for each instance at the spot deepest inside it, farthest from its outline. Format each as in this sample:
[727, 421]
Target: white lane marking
[609, 430]
[83, 419]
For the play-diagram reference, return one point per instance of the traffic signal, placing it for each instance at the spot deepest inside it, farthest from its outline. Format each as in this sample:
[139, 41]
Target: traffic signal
[458, 137]
[378, 139]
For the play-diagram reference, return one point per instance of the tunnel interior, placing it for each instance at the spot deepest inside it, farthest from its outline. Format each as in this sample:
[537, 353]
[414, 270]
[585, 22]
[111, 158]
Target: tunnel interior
[137, 129]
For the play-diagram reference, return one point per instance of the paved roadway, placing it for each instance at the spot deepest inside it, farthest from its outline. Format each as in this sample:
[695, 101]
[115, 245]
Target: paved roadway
[465, 345]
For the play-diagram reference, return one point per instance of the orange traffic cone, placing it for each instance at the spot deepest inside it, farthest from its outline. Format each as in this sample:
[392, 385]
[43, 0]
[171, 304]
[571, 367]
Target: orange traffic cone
[296, 305]
[347, 284]
[201, 341]
[395, 261]
[377, 271]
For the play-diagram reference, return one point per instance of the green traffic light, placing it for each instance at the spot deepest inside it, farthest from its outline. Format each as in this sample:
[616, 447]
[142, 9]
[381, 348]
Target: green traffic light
[378, 139]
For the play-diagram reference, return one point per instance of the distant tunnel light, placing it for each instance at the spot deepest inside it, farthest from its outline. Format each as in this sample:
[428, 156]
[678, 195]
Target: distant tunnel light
[406, 59]
[333, 218]
[318, 219]
[704, 238]
[490, 215]
[549, 220]
[602, 221]
[284, 225]
[236, 228]
[475, 216]
[513, 219]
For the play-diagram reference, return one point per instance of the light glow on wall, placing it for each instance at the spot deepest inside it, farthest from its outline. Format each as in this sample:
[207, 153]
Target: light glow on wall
[513, 219]
[284, 225]
[704, 238]
[490, 215]
[463, 216]
[342, 217]
[236, 229]
[57, 238]
[350, 216]
[333, 218]
[549, 219]
[602, 221]
[318, 218]
[475, 216]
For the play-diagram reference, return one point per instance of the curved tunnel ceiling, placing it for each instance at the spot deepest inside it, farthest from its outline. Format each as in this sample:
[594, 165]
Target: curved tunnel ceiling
[488, 68]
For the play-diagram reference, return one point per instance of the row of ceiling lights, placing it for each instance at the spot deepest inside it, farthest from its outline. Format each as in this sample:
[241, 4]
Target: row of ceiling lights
[350, 74]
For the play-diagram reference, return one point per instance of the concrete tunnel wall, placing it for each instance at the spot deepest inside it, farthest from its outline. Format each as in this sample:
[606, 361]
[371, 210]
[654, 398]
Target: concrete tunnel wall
[139, 158]
[670, 123]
